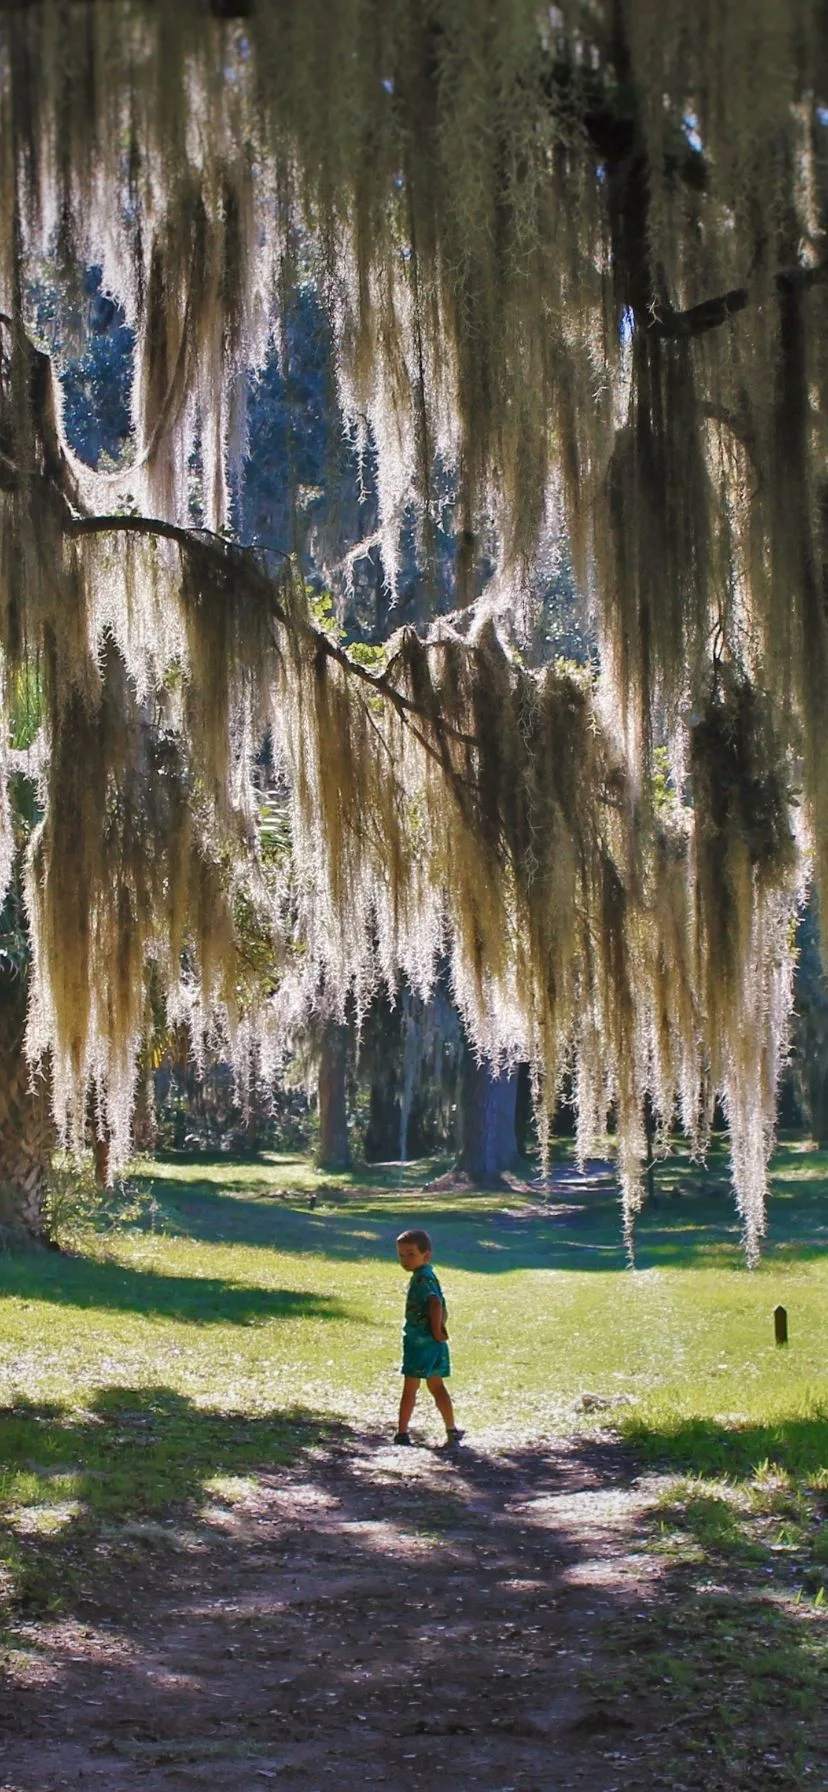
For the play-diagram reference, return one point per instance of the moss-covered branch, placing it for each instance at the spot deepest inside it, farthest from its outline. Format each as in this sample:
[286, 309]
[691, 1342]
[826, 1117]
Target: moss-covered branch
[516, 218]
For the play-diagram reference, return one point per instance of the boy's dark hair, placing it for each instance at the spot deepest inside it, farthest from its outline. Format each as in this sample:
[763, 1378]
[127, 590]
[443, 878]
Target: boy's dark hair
[416, 1236]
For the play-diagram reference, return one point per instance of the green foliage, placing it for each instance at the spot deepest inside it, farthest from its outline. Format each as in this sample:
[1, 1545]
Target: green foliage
[76, 1202]
[735, 1674]
[14, 939]
[274, 830]
[365, 653]
[693, 1337]
[27, 708]
[662, 787]
[323, 610]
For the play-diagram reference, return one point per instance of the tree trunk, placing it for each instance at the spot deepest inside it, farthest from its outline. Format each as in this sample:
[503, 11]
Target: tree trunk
[100, 1142]
[817, 1086]
[102, 1153]
[144, 1125]
[411, 1018]
[334, 1150]
[649, 1134]
[383, 1130]
[488, 1142]
[27, 1134]
[524, 1116]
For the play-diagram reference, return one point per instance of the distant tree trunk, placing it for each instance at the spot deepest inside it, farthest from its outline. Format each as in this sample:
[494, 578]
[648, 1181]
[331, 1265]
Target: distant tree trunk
[334, 1150]
[102, 1154]
[817, 1087]
[523, 1110]
[649, 1134]
[488, 1143]
[412, 1052]
[144, 1126]
[100, 1141]
[382, 599]
[383, 1130]
[27, 1134]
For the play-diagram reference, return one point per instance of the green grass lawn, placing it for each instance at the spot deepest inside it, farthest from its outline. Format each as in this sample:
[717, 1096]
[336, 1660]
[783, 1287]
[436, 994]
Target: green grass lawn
[215, 1322]
[229, 1291]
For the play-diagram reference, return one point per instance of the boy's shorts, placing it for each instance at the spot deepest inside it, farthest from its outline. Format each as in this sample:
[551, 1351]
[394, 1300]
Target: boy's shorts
[424, 1357]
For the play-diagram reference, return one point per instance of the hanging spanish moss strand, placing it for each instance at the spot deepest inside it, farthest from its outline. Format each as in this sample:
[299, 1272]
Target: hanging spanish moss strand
[575, 258]
[454, 803]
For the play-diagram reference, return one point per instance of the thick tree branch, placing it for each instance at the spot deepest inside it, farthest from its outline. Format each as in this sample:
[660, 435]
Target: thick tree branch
[124, 523]
[711, 313]
[228, 553]
[609, 119]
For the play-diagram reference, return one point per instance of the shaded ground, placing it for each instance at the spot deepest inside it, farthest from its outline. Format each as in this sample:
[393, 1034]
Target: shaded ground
[366, 1616]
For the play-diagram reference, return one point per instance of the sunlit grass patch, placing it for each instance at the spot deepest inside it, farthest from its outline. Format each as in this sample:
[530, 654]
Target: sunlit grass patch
[706, 1518]
[304, 1305]
[735, 1648]
[42, 1520]
[231, 1490]
[743, 1491]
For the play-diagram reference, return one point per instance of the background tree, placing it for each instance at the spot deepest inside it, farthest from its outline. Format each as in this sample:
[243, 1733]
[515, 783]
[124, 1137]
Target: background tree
[488, 1137]
[410, 1053]
[27, 1129]
[334, 1152]
[810, 1032]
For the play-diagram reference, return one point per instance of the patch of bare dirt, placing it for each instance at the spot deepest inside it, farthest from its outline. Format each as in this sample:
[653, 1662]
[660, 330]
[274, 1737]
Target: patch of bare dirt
[373, 1617]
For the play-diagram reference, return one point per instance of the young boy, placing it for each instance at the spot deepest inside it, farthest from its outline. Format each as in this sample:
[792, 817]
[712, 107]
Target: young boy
[425, 1338]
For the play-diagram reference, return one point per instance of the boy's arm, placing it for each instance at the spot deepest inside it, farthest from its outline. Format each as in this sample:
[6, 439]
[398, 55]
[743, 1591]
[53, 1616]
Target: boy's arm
[436, 1319]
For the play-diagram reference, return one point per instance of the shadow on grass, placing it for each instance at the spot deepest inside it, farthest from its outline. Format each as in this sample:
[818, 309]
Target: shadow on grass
[744, 1495]
[89, 1283]
[271, 1172]
[479, 1577]
[344, 1228]
[572, 1227]
[132, 1454]
[797, 1446]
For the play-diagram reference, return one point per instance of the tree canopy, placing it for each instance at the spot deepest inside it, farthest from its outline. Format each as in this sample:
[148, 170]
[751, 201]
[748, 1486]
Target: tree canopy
[574, 264]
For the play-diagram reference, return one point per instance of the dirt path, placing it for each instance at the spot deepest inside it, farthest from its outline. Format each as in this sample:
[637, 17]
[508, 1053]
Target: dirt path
[355, 1622]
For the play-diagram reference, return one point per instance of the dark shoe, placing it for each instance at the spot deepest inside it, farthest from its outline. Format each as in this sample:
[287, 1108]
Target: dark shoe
[453, 1438]
[402, 1437]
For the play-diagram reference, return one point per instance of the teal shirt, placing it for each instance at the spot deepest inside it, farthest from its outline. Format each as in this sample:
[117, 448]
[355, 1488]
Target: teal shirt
[422, 1353]
[422, 1286]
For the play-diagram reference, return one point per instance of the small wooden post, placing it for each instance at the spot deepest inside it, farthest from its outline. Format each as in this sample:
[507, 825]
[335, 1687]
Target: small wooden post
[780, 1325]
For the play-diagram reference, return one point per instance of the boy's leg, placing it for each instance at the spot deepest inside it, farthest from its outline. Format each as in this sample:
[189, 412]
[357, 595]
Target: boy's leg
[442, 1400]
[408, 1397]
